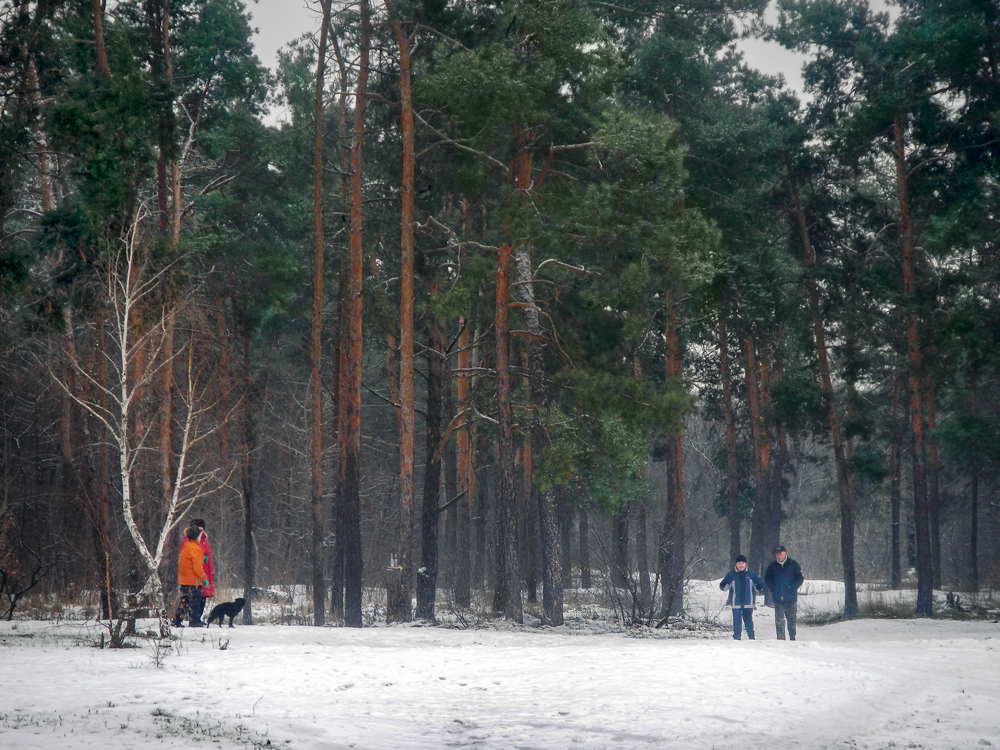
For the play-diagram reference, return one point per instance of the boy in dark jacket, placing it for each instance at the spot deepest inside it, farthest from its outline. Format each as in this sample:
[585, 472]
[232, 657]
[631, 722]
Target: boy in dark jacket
[743, 586]
[784, 577]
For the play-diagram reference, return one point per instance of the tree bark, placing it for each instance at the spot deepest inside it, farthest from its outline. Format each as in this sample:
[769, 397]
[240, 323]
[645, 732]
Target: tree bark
[41, 139]
[340, 398]
[465, 441]
[974, 509]
[158, 16]
[102, 531]
[404, 531]
[672, 544]
[925, 569]
[732, 459]
[895, 484]
[762, 458]
[249, 440]
[449, 469]
[167, 412]
[483, 511]
[564, 523]
[619, 548]
[351, 444]
[527, 515]
[102, 55]
[933, 482]
[642, 554]
[845, 486]
[507, 590]
[538, 397]
[317, 505]
[436, 380]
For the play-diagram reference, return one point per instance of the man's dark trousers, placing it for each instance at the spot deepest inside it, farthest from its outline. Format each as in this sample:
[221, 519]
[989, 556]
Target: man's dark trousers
[783, 612]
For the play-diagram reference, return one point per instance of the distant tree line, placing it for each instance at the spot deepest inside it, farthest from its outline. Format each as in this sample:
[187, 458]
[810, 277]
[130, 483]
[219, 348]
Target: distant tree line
[519, 293]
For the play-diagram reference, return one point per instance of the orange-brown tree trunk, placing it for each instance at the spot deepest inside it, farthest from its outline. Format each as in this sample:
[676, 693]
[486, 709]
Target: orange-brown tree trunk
[102, 54]
[507, 591]
[351, 442]
[465, 449]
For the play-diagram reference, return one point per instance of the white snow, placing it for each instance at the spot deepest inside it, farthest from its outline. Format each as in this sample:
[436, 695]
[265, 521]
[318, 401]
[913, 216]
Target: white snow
[859, 684]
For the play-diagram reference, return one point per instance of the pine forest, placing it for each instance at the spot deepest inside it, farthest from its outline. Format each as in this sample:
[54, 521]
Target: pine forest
[519, 299]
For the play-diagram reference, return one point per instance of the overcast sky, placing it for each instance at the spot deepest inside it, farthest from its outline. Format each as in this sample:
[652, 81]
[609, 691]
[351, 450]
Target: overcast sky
[280, 21]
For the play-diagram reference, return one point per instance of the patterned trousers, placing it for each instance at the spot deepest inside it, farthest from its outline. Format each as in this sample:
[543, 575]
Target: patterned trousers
[188, 607]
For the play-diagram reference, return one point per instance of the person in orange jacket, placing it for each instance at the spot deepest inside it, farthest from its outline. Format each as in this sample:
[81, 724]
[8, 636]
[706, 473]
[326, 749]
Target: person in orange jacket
[191, 577]
[208, 590]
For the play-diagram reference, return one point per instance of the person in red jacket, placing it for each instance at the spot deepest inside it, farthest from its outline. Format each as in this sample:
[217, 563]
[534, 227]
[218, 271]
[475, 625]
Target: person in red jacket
[191, 577]
[208, 590]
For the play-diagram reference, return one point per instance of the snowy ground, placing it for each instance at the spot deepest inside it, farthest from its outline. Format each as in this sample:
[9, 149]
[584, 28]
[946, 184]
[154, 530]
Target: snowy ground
[861, 684]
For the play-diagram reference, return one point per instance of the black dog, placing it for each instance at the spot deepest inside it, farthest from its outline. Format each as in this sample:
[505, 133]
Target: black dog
[227, 609]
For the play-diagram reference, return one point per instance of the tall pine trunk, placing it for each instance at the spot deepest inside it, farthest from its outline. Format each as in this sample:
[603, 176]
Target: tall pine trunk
[101, 50]
[507, 589]
[404, 532]
[551, 546]
[756, 382]
[351, 442]
[845, 487]
[465, 442]
[933, 481]
[974, 509]
[256, 396]
[642, 555]
[895, 487]
[317, 506]
[340, 400]
[925, 569]
[437, 367]
[619, 549]
[732, 458]
[672, 544]
[41, 139]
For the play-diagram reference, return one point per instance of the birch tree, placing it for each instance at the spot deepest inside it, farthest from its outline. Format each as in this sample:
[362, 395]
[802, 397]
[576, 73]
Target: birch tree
[134, 359]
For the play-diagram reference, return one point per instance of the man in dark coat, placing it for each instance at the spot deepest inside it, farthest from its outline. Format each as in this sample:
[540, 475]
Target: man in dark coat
[743, 586]
[784, 577]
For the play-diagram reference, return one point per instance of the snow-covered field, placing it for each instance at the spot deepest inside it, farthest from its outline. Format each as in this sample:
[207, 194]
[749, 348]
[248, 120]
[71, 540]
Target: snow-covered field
[861, 684]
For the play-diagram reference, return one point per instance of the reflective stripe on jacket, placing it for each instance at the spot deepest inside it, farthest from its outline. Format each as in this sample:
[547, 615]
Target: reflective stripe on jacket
[743, 587]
